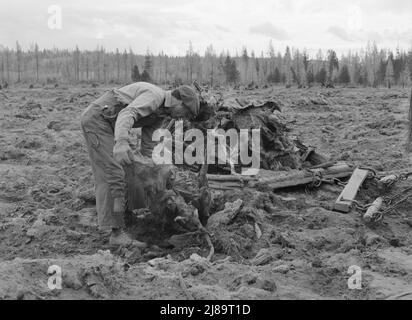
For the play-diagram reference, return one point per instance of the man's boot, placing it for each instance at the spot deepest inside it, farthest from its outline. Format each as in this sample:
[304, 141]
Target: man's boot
[119, 237]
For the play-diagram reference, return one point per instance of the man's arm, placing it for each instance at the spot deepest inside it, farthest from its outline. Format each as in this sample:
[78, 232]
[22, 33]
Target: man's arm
[144, 105]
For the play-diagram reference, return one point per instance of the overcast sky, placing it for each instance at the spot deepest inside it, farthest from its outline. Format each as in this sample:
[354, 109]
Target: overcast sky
[227, 24]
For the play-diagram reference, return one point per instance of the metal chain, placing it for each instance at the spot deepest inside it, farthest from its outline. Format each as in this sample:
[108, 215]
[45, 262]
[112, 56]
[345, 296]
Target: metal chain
[363, 208]
[397, 178]
[397, 204]
[318, 181]
[389, 201]
[373, 174]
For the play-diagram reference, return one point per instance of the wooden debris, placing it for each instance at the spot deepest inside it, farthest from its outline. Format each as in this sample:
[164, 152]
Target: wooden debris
[278, 179]
[389, 180]
[258, 231]
[345, 200]
[325, 165]
[264, 256]
[373, 210]
[225, 216]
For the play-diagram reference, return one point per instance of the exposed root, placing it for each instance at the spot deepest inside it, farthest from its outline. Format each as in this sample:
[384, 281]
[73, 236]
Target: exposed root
[184, 288]
[212, 248]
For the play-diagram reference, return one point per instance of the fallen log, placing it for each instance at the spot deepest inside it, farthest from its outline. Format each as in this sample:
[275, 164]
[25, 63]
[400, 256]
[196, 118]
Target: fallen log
[279, 179]
[373, 210]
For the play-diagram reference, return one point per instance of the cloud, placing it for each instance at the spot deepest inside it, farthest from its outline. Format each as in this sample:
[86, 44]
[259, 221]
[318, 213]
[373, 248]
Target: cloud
[221, 28]
[395, 7]
[132, 23]
[268, 29]
[341, 33]
[169, 25]
[371, 35]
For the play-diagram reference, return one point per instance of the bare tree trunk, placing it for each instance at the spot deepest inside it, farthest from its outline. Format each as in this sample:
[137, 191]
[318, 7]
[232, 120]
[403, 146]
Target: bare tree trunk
[165, 69]
[36, 53]
[2, 69]
[76, 62]
[118, 64]
[132, 62]
[409, 140]
[211, 75]
[7, 65]
[126, 78]
[18, 56]
[87, 67]
[98, 65]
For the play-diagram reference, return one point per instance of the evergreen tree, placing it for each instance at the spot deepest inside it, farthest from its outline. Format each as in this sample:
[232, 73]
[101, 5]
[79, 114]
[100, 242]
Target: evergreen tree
[135, 74]
[257, 67]
[125, 65]
[310, 76]
[305, 58]
[210, 57]
[398, 65]
[118, 64]
[363, 75]
[245, 58]
[145, 76]
[381, 72]
[148, 65]
[271, 54]
[288, 67]
[344, 76]
[19, 61]
[230, 69]
[410, 63]
[333, 64]
[190, 62]
[405, 76]
[275, 77]
[389, 74]
[321, 76]
[36, 55]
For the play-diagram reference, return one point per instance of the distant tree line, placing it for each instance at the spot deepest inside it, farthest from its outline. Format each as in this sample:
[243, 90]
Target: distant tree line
[369, 67]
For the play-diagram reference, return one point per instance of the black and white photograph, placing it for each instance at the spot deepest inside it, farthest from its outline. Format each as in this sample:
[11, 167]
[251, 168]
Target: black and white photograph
[205, 154]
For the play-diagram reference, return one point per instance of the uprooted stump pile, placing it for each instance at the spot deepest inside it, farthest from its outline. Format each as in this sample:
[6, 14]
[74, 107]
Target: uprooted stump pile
[167, 205]
[279, 150]
[180, 204]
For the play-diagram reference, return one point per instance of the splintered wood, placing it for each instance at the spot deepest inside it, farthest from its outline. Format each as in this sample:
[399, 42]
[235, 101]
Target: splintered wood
[348, 195]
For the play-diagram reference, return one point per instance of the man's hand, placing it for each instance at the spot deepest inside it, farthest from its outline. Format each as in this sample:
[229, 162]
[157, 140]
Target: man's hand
[122, 153]
[144, 160]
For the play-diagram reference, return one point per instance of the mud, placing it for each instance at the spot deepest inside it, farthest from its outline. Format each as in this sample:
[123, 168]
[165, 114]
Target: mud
[283, 245]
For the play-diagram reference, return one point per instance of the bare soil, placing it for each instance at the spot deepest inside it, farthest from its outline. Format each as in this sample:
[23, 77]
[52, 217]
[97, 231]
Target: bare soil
[48, 216]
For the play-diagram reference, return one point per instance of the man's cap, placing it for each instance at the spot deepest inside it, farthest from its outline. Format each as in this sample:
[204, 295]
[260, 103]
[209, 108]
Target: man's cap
[189, 99]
